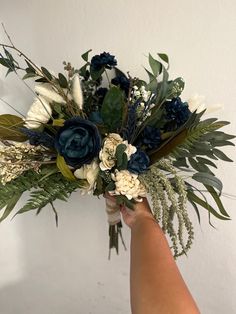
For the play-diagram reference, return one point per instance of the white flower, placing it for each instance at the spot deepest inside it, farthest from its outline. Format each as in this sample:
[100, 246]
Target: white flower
[90, 173]
[128, 184]
[197, 102]
[130, 150]
[107, 153]
[77, 93]
[39, 113]
[46, 90]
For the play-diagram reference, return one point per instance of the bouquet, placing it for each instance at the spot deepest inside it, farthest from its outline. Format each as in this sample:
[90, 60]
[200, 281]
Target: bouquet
[99, 130]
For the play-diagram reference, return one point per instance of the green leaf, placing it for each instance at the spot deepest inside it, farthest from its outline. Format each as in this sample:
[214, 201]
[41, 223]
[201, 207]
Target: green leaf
[217, 199]
[32, 69]
[218, 136]
[9, 55]
[46, 73]
[196, 210]
[96, 74]
[208, 179]
[65, 170]
[121, 156]
[194, 198]
[4, 62]
[62, 80]
[112, 109]
[10, 206]
[85, 55]
[218, 153]
[155, 65]
[164, 57]
[9, 125]
[200, 167]
[58, 122]
[28, 75]
[110, 187]
[123, 200]
[206, 161]
[221, 143]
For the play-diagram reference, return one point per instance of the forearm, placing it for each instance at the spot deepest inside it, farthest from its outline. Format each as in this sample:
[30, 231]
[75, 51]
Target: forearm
[156, 284]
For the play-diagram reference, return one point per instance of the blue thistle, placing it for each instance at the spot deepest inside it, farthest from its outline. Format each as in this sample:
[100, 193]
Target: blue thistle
[38, 138]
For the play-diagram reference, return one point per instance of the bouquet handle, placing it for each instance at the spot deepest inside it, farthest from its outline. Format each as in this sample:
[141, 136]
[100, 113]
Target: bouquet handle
[115, 226]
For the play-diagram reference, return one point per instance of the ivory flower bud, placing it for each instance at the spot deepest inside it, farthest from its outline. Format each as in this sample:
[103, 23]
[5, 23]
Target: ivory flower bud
[77, 93]
[39, 113]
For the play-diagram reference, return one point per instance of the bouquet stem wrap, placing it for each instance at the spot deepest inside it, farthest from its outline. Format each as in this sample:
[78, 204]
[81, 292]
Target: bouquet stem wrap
[115, 225]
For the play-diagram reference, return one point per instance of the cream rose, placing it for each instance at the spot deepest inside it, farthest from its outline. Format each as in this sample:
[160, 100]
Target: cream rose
[128, 184]
[107, 153]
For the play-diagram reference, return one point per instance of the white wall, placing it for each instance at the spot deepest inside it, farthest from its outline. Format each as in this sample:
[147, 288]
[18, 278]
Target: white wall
[65, 270]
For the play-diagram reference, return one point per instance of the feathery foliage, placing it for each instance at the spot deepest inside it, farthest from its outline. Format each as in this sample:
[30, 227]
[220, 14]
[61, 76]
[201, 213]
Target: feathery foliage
[169, 198]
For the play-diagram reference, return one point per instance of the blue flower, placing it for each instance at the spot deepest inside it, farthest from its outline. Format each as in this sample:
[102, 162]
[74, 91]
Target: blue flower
[138, 162]
[177, 113]
[78, 141]
[103, 60]
[123, 82]
[150, 138]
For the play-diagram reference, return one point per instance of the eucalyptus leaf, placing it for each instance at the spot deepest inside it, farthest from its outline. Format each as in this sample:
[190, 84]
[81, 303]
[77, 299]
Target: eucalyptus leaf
[217, 199]
[84, 56]
[208, 179]
[155, 65]
[28, 75]
[164, 57]
[206, 161]
[62, 80]
[46, 73]
[194, 198]
[218, 153]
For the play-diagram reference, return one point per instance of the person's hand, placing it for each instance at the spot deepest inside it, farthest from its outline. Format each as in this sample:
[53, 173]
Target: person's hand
[133, 216]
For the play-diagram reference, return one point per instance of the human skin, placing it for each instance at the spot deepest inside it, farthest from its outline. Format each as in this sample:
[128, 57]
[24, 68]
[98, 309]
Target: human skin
[156, 285]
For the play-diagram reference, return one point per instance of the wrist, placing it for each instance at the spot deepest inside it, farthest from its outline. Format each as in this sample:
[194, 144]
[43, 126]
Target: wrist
[143, 218]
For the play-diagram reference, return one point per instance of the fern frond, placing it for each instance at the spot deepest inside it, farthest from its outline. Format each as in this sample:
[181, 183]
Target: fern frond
[202, 139]
[50, 189]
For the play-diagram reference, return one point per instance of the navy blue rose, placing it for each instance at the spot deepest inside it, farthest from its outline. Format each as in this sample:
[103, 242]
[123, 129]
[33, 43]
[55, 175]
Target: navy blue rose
[150, 138]
[138, 162]
[105, 59]
[177, 113]
[123, 82]
[78, 141]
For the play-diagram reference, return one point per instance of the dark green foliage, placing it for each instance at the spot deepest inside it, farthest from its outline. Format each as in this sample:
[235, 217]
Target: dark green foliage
[48, 189]
[112, 109]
